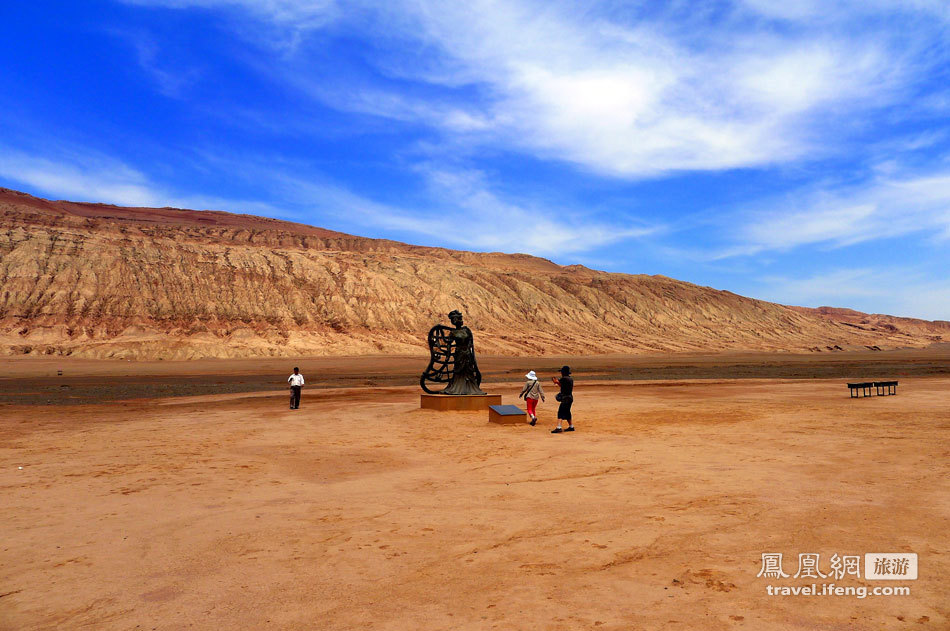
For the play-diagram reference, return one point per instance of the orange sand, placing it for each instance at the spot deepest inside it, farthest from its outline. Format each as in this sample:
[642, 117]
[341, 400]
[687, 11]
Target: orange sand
[360, 511]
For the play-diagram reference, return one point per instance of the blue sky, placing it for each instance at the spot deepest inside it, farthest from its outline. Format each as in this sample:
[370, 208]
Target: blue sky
[795, 151]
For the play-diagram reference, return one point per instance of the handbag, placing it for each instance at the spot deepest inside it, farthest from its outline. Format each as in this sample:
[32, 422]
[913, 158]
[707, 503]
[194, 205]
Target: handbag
[557, 397]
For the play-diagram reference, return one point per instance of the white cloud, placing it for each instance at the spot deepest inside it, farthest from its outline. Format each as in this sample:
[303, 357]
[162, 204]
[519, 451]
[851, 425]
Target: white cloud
[90, 177]
[886, 207]
[298, 14]
[820, 9]
[827, 288]
[633, 98]
[841, 224]
[170, 82]
[896, 291]
[466, 214]
[643, 100]
[366, 99]
[278, 24]
[496, 223]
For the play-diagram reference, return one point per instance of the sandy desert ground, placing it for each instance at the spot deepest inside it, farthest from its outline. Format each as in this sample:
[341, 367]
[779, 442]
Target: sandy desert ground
[361, 511]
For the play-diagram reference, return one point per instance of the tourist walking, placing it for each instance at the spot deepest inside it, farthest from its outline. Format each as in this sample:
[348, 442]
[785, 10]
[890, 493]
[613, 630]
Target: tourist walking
[296, 383]
[531, 392]
[566, 397]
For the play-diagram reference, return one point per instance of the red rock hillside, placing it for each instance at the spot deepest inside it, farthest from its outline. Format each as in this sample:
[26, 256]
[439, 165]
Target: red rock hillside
[94, 280]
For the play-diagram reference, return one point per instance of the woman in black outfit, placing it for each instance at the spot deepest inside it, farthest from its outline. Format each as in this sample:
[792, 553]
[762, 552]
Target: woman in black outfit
[566, 397]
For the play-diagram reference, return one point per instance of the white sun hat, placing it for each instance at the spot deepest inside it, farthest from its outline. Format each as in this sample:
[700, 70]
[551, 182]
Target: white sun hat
[532, 375]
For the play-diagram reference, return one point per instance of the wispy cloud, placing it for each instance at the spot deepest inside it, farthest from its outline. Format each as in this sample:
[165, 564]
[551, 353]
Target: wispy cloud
[84, 177]
[640, 101]
[295, 14]
[529, 226]
[665, 91]
[795, 10]
[902, 291]
[461, 210]
[291, 18]
[883, 208]
[361, 98]
[170, 82]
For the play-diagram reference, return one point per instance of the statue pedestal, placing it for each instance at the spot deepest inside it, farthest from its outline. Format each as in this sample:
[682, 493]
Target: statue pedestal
[459, 402]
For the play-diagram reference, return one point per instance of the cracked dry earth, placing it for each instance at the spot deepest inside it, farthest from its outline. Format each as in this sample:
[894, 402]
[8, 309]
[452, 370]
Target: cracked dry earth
[361, 511]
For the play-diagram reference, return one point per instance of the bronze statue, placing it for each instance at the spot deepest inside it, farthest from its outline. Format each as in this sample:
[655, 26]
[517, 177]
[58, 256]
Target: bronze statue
[452, 361]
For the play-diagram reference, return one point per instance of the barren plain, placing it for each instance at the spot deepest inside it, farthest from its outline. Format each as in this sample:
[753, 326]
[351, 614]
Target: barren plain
[185, 495]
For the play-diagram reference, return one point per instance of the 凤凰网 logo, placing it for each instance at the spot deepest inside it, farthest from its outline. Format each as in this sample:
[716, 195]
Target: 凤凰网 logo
[878, 566]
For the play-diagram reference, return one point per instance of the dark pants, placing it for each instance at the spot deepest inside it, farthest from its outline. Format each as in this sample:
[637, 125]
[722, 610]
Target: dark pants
[564, 410]
[294, 397]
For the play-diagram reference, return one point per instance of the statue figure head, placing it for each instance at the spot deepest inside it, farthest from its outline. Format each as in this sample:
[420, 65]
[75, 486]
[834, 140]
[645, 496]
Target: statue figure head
[455, 317]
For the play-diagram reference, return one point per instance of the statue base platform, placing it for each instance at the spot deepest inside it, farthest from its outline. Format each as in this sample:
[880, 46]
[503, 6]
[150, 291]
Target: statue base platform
[459, 402]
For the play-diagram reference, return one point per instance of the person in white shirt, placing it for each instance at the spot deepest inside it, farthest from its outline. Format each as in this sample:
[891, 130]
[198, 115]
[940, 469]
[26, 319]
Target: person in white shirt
[296, 382]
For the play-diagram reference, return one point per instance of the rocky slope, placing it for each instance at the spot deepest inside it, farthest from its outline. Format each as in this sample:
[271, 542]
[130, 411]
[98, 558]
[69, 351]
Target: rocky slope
[103, 281]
